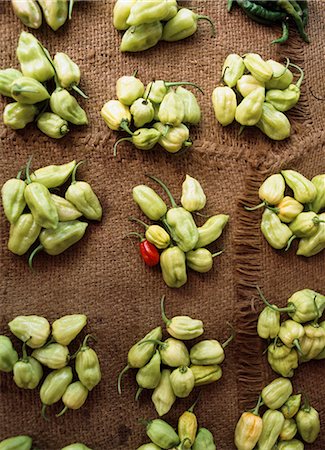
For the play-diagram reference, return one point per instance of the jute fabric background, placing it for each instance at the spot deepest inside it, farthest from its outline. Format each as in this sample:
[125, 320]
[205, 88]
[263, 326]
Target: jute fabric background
[103, 276]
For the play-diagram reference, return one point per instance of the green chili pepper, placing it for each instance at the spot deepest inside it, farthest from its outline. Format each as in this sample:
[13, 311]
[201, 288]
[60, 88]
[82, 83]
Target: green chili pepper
[149, 202]
[182, 381]
[275, 232]
[312, 245]
[33, 330]
[67, 73]
[163, 396]
[209, 352]
[141, 37]
[23, 234]
[143, 139]
[282, 76]
[13, 200]
[173, 267]
[294, 444]
[54, 386]
[33, 58]
[192, 110]
[211, 230]
[161, 433]
[156, 90]
[66, 106]
[53, 176]
[52, 125]
[273, 422]
[204, 440]
[193, 197]
[7, 77]
[121, 13]
[285, 34]
[74, 397]
[291, 406]
[260, 13]
[55, 12]
[148, 377]
[319, 201]
[67, 328]
[18, 115]
[268, 324]
[54, 356]
[173, 139]
[288, 7]
[275, 394]
[117, 116]
[16, 443]
[247, 84]
[183, 25]
[273, 123]
[303, 189]
[206, 374]
[28, 91]
[233, 69]
[258, 67]
[283, 100]
[171, 111]
[8, 355]
[282, 359]
[27, 372]
[249, 110]
[308, 423]
[77, 445]
[66, 210]
[28, 12]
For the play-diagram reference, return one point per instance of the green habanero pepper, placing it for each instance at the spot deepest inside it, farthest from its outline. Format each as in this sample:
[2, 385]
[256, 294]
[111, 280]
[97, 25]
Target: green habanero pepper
[17, 443]
[52, 125]
[182, 381]
[173, 353]
[8, 355]
[154, 234]
[141, 353]
[34, 330]
[17, 115]
[275, 232]
[28, 91]
[209, 352]
[308, 423]
[142, 111]
[13, 200]
[192, 110]
[54, 386]
[149, 446]
[288, 209]
[268, 324]
[74, 397]
[66, 106]
[211, 230]
[291, 406]
[313, 341]
[282, 77]
[141, 37]
[173, 267]
[247, 84]
[258, 67]
[275, 394]
[156, 90]
[321, 355]
[53, 176]
[319, 201]
[53, 356]
[163, 396]
[310, 246]
[173, 139]
[233, 69]
[23, 233]
[27, 371]
[289, 430]
[87, 366]
[129, 89]
[204, 440]
[28, 12]
[81, 195]
[67, 328]
[290, 333]
[206, 374]
[294, 444]
[54, 242]
[67, 73]
[171, 111]
[303, 189]
[201, 259]
[76, 446]
[283, 100]
[249, 110]
[121, 13]
[66, 210]
[161, 433]
[148, 377]
[272, 189]
[183, 25]
[305, 224]
[273, 123]
[193, 197]
[282, 359]
[55, 12]
[180, 222]
[117, 116]
[149, 202]
[187, 427]
[273, 422]
[248, 429]
[7, 77]
[172, 11]
[33, 58]
[147, 11]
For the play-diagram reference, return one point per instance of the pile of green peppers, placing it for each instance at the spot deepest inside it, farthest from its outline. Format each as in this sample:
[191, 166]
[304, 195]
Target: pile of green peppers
[56, 12]
[188, 436]
[277, 11]
[285, 418]
[257, 93]
[50, 349]
[34, 212]
[160, 114]
[298, 215]
[181, 241]
[51, 109]
[26, 443]
[299, 339]
[168, 367]
[146, 22]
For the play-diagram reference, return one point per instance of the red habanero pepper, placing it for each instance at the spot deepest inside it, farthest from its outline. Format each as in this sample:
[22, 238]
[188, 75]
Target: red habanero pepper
[148, 251]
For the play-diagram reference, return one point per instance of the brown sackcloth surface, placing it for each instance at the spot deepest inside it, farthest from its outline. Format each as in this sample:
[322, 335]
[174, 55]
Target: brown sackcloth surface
[103, 276]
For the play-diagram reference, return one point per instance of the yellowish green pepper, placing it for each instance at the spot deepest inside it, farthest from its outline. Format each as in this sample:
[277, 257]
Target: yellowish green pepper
[258, 67]
[149, 446]
[173, 139]
[291, 406]
[66, 106]
[129, 89]
[187, 427]
[282, 359]
[67, 73]
[7, 77]
[305, 224]
[273, 422]
[87, 366]
[8, 355]
[74, 397]
[163, 396]
[247, 84]
[193, 197]
[54, 356]
[23, 233]
[67, 328]
[28, 91]
[290, 334]
[312, 245]
[142, 111]
[294, 444]
[282, 77]
[192, 110]
[13, 200]
[201, 259]
[288, 209]
[283, 100]
[148, 376]
[52, 125]
[303, 189]
[32, 330]
[308, 423]
[248, 429]
[54, 386]
[313, 341]
[161, 433]
[268, 324]
[66, 210]
[272, 189]
[233, 69]
[204, 440]
[147, 11]
[172, 11]
[275, 394]
[183, 25]
[28, 12]
[157, 236]
[224, 104]
[209, 352]
[206, 374]
[55, 12]
[117, 116]
[173, 267]
[182, 381]
[171, 110]
[121, 13]
[27, 372]
[76, 446]
[211, 230]
[149, 202]
[16, 443]
[250, 109]
[181, 327]
[275, 232]
[174, 353]
[54, 175]
[18, 115]
[319, 201]
[289, 430]
[141, 37]
[156, 90]
[274, 123]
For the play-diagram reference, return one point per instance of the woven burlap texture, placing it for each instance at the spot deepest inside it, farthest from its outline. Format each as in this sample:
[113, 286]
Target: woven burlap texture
[103, 276]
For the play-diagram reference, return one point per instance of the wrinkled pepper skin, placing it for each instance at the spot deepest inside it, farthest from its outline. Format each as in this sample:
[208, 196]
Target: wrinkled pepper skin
[18, 115]
[303, 307]
[41, 205]
[171, 111]
[204, 440]
[283, 100]
[81, 195]
[310, 246]
[273, 123]
[182, 327]
[273, 422]
[7, 77]
[66, 210]
[183, 25]
[66, 328]
[305, 224]
[248, 431]
[55, 12]
[54, 175]
[291, 406]
[121, 12]
[28, 12]
[53, 356]
[268, 324]
[28, 91]
[52, 125]
[247, 84]
[290, 333]
[129, 89]
[308, 424]
[162, 434]
[66, 106]
[289, 430]
[174, 353]
[33, 61]
[319, 201]
[149, 202]
[142, 111]
[34, 330]
[175, 138]
[224, 104]
[13, 200]
[193, 197]
[148, 377]
[141, 352]
[294, 444]
[275, 232]
[182, 227]
[64, 236]
[55, 385]
[282, 77]
[272, 189]
[282, 359]
[206, 374]
[182, 381]
[303, 189]
[207, 353]
[27, 373]
[8, 355]
[249, 110]
[313, 342]
[233, 69]
[200, 260]
[288, 209]
[275, 394]
[143, 139]
[211, 230]
[192, 110]
[163, 396]
[23, 233]
[187, 428]
[157, 236]
[141, 37]
[116, 115]
[16, 443]
[147, 11]
[67, 71]
[258, 67]
[173, 267]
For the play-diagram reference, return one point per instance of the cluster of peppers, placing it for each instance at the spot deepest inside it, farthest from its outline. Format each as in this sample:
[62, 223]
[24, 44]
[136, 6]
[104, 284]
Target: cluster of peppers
[146, 22]
[182, 370]
[298, 339]
[287, 217]
[188, 436]
[36, 213]
[56, 12]
[24, 442]
[166, 110]
[31, 89]
[284, 418]
[277, 11]
[257, 93]
[181, 241]
[54, 354]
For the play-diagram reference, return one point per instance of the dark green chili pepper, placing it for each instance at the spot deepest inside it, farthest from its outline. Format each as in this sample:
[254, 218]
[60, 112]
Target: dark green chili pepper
[260, 13]
[289, 8]
[285, 34]
[305, 13]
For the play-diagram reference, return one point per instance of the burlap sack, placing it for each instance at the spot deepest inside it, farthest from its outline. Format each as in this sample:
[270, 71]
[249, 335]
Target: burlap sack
[103, 275]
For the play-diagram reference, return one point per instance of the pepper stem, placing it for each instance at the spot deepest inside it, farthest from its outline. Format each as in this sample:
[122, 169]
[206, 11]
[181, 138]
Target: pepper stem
[317, 220]
[19, 174]
[43, 412]
[135, 219]
[134, 233]
[306, 405]
[124, 125]
[257, 407]
[135, 73]
[86, 339]
[31, 256]
[285, 34]
[119, 379]
[71, 3]
[298, 84]
[25, 356]
[117, 143]
[191, 408]
[27, 169]
[275, 308]
[293, 237]
[241, 129]
[183, 83]
[64, 410]
[213, 27]
[229, 5]
[73, 175]
[296, 343]
[165, 188]
[152, 341]
[231, 337]
[253, 208]
[163, 313]
[138, 393]
[318, 313]
[217, 254]
[144, 421]
[79, 91]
